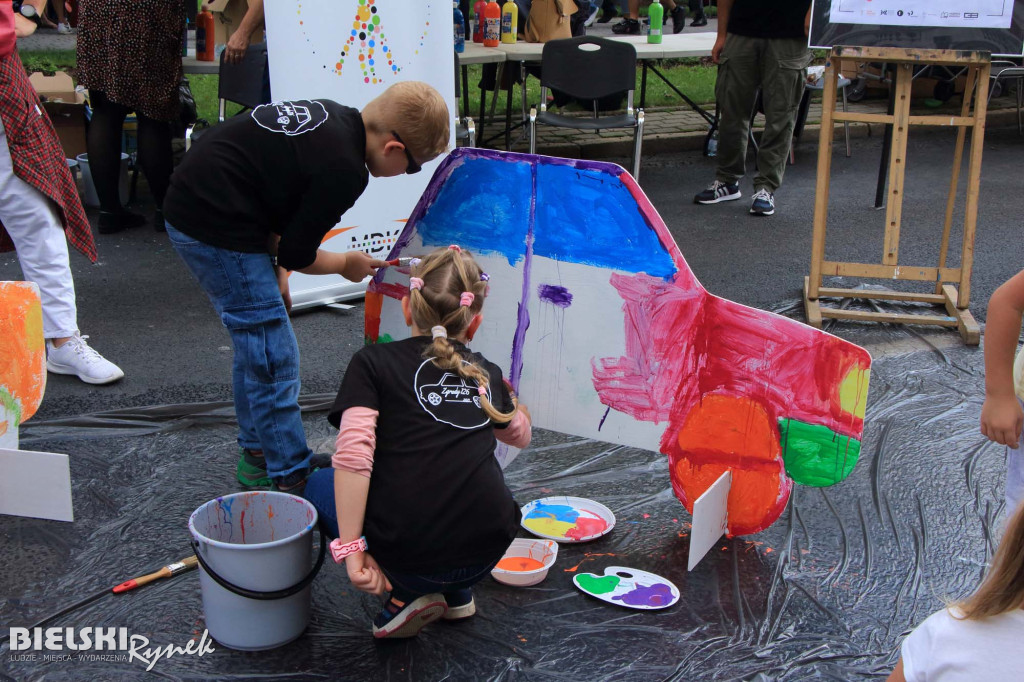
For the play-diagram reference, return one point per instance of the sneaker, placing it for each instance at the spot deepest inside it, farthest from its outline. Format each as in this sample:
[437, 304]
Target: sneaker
[593, 15]
[461, 604]
[763, 203]
[627, 27]
[678, 18]
[608, 12]
[395, 621]
[297, 484]
[702, 20]
[252, 469]
[63, 27]
[80, 359]
[718, 191]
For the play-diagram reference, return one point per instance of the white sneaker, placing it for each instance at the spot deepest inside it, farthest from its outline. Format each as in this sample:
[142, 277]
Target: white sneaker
[593, 15]
[78, 358]
[63, 27]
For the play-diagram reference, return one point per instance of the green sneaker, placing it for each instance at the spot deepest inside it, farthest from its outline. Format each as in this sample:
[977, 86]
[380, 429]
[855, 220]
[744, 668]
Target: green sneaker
[252, 470]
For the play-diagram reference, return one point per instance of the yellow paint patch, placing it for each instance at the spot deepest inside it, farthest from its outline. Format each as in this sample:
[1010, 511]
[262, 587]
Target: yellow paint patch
[549, 526]
[22, 349]
[853, 392]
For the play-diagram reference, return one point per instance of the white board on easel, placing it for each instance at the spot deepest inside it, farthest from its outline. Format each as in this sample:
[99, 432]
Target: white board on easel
[710, 519]
[35, 484]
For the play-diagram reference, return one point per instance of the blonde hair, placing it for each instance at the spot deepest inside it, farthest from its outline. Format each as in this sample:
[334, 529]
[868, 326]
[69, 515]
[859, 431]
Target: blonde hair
[417, 112]
[447, 274]
[1003, 587]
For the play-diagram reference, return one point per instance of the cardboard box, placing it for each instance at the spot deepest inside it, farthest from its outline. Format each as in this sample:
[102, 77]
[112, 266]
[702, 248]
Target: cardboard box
[65, 107]
[227, 15]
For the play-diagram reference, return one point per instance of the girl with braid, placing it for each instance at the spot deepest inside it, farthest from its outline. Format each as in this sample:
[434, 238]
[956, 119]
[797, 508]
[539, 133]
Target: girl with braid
[416, 498]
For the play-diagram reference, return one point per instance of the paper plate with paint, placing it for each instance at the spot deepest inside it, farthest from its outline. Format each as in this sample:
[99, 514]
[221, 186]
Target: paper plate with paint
[567, 519]
[629, 587]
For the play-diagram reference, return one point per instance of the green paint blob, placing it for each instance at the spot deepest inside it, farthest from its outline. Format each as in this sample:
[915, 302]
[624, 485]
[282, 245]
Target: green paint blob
[816, 455]
[383, 338]
[12, 406]
[594, 585]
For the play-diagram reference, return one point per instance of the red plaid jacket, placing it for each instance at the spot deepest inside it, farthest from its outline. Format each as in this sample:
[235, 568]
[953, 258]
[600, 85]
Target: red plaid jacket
[37, 156]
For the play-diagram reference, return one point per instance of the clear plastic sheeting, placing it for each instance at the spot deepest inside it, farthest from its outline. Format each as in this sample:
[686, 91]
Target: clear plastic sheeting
[827, 592]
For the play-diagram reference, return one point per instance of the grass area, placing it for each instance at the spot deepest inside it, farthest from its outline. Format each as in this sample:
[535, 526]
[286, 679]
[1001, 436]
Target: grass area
[48, 61]
[692, 76]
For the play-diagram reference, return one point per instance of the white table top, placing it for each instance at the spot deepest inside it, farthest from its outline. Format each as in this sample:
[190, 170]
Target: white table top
[671, 47]
[478, 54]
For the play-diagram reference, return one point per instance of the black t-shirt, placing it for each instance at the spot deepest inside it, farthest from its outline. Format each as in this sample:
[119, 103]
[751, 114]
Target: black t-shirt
[291, 168]
[768, 18]
[437, 499]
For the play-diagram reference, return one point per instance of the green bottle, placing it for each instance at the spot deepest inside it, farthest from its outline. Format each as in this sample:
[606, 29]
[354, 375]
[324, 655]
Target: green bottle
[656, 13]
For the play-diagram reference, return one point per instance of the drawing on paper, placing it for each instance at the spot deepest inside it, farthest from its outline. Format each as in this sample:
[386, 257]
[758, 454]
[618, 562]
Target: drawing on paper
[948, 13]
[602, 328]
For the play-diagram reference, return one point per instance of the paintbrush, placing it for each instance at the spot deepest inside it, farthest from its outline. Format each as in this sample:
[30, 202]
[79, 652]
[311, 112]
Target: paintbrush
[403, 262]
[165, 572]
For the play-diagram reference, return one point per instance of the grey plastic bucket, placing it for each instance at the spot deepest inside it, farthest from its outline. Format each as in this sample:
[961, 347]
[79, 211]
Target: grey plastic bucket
[89, 196]
[254, 555]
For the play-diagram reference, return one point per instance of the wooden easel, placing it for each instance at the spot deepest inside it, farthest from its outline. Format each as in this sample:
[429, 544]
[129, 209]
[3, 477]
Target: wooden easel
[954, 299]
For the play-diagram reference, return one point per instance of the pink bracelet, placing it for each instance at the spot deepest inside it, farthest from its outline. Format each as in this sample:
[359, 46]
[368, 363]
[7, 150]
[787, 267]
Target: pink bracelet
[340, 550]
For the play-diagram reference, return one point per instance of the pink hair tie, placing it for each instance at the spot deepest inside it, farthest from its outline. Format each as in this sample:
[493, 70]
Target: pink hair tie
[415, 283]
[455, 247]
[467, 298]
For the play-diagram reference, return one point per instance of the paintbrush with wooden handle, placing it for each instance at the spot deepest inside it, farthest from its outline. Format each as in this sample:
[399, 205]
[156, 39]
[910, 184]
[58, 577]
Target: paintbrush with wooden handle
[165, 572]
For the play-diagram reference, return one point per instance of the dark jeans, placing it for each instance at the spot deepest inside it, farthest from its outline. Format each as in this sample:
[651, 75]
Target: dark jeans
[453, 584]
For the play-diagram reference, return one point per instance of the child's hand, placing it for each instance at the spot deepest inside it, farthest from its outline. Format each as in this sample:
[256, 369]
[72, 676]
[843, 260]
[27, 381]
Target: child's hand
[365, 574]
[525, 410]
[359, 265]
[1002, 419]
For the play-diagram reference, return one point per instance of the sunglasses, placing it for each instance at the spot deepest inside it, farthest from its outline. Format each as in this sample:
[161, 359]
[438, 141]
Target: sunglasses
[413, 167]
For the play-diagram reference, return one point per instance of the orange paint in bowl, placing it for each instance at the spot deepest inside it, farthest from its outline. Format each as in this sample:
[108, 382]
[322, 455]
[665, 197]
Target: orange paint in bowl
[519, 563]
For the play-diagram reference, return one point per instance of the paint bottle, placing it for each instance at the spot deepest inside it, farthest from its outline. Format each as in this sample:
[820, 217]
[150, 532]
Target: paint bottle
[492, 24]
[459, 26]
[509, 22]
[205, 47]
[478, 21]
[656, 14]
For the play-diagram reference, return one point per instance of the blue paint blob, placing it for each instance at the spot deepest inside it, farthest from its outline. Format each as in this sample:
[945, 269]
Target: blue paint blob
[555, 295]
[483, 206]
[589, 216]
[558, 512]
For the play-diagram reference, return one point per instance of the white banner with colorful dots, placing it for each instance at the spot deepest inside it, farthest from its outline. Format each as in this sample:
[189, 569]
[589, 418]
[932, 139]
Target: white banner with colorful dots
[350, 51]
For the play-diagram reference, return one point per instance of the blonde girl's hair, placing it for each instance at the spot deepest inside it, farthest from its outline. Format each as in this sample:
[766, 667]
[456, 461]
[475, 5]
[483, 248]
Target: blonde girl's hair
[417, 112]
[1003, 587]
[447, 275]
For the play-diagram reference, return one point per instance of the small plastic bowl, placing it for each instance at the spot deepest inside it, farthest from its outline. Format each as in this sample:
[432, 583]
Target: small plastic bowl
[544, 551]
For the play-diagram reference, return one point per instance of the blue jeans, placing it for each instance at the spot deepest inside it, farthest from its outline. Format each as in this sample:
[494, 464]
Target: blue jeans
[243, 289]
[454, 584]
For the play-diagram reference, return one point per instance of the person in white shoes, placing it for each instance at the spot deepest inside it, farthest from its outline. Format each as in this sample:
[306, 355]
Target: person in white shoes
[38, 203]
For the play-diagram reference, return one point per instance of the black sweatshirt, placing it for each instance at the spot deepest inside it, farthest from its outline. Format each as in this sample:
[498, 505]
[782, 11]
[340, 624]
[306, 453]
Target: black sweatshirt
[288, 168]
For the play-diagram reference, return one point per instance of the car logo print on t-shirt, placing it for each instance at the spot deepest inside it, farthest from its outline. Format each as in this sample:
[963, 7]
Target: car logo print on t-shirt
[449, 398]
[290, 118]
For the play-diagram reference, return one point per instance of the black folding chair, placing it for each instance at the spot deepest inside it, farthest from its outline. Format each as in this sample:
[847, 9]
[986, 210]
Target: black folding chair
[590, 69]
[240, 83]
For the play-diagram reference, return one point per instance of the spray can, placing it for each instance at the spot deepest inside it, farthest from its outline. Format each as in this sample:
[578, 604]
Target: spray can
[492, 24]
[459, 26]
[478, 21]
[509, 22]
[656, 14]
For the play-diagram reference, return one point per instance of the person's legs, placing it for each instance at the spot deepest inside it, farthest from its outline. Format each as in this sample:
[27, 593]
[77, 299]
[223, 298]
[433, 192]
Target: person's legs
[31, 220]
[697, 10]
[243, 289]
[784, 70]
[739, 76]
[416, 600]
[155, 155]
[320, 493]
[104, 146]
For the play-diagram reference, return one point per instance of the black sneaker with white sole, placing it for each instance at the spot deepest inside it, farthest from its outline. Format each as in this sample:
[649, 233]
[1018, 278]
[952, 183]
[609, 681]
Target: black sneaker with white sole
[629, 27]
[718, 191]
[763, 203]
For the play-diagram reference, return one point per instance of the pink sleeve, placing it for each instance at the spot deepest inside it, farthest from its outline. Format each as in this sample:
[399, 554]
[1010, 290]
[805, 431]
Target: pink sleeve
[518, 432]
[357, 439]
